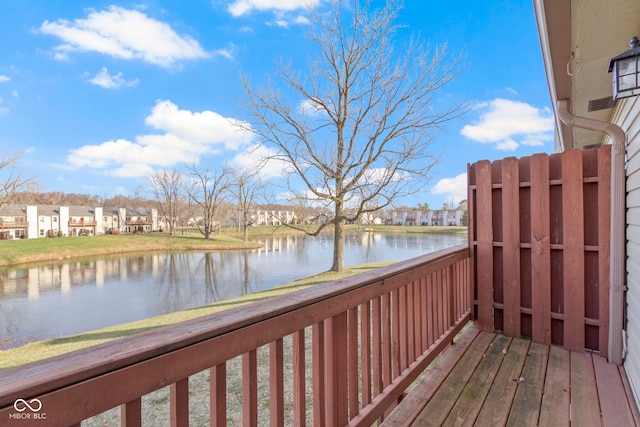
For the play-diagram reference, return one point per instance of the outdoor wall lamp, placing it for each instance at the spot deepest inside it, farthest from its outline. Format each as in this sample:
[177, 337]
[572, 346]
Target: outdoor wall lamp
[626, 71]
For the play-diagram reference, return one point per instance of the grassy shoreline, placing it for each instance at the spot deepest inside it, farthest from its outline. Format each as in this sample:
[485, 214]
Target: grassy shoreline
[53, 347]
[16, 252]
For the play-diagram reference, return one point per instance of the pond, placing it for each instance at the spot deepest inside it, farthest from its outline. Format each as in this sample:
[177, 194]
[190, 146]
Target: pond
[61, 299]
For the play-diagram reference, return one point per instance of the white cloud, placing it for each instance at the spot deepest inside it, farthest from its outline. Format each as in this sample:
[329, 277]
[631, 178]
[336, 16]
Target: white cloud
[455, 187]
[509, 124]
[242, 7]
[309, 108]
[185, 136]
[283, 10]
[4, 78]
[258, 156]
[14, 93]
[125, 34]
[206, 127]
[107, 81]
[228, 53]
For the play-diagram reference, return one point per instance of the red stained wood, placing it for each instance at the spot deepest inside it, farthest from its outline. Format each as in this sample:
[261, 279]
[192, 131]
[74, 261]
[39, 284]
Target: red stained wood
[276, 383]
[365, 352]
[179, 403]
[430, 310]
[585, 406]
[377, 346]
[539, 245]
[541, 386]
[218, 395]
[400, 330]
[484, 245]
[353, 358]
[611, 388]
[573, 250]
[388, 347]
[319, 390]
[511, 245]
[337, 409]
[131, 413]
[540, 250]
[250, 388]
[299, 387]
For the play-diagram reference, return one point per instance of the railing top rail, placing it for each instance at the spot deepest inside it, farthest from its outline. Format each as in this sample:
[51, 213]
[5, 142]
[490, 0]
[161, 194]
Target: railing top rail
[54, 373]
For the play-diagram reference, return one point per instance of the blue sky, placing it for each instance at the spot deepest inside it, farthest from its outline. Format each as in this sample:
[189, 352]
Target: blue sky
[95, 95]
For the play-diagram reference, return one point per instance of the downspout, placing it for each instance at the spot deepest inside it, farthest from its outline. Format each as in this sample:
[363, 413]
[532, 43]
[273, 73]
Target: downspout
[617, 264]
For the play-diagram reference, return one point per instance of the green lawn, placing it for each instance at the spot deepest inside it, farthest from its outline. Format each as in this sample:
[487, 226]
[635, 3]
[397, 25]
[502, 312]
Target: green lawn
[14, 252]
[50, 249]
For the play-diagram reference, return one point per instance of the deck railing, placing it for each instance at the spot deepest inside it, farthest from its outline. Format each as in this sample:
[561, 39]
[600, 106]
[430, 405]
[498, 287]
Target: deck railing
[354, 346]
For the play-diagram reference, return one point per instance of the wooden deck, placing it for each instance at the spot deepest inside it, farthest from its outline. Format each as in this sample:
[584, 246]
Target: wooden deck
[487, 379]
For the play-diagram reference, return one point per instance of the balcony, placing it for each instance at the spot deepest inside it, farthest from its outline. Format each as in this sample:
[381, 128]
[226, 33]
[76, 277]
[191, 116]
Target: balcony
[364, 340]
[12, 223]
[82, 222]
[356, 346]
[349, 352]
[139, 221]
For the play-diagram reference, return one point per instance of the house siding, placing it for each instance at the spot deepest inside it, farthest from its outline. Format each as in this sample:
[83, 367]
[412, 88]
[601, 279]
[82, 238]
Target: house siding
[627, 116]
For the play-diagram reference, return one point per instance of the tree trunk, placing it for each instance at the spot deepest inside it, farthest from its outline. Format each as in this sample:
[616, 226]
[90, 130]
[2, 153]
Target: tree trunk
[338, 238]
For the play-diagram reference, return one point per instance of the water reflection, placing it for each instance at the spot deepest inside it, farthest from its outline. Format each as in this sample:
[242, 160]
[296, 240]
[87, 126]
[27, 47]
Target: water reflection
[54, 300]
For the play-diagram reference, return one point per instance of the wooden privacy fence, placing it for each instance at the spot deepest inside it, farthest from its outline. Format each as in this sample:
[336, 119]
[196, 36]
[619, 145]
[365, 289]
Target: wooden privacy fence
[354, 346]
[539, 239]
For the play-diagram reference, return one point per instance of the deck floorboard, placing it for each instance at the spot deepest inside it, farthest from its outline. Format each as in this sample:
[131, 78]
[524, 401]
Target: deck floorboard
[487, 379]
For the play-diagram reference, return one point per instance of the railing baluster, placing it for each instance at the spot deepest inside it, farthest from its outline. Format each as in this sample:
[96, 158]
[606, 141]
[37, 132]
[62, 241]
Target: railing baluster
[365, 351]
[250, 388]
[424, 312]
[439, 305]
[337, 410]
[179, 403]
[377, 346]
[319, 389]
[276, 383]
[451, 300]
[218, 395]
[400, 330]
[131, 414]
[387, 344]
[299, 388]
[353, 359]
[417, 319]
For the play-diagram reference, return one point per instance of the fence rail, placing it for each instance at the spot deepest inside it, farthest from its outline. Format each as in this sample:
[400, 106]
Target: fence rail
[364, 339]
[540, 245]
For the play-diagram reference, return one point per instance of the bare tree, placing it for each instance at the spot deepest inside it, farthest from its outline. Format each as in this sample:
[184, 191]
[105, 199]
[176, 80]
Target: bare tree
[207, 190]
[358, 126]
[12, 180]
[167, 188]
[247, 188]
